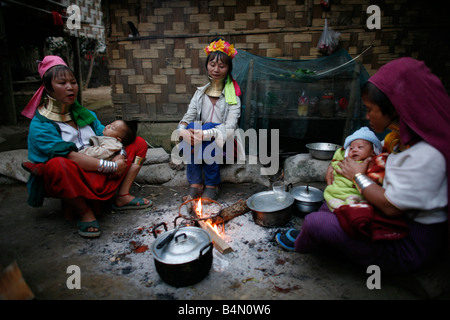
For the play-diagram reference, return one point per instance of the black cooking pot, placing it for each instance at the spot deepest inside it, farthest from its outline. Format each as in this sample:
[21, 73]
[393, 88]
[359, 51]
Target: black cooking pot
[268, 210]
[183, 256]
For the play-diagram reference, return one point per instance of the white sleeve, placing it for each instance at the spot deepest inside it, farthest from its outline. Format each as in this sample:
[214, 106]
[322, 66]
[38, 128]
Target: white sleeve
[191, 113]
[416, 178]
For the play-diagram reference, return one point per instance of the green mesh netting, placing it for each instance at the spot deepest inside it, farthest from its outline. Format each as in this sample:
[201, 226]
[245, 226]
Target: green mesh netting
[307, 100]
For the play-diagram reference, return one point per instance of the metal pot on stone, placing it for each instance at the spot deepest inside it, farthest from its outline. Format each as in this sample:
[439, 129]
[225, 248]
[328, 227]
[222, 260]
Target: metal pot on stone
[270, 211]
[307, 198]
[322, 150]
[183, 256]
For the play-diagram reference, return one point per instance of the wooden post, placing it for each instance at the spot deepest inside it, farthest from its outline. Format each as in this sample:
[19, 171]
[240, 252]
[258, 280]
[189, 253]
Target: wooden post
[91, 66]
[77, 66]
[354, 94]
[248, 95]
[309, 13]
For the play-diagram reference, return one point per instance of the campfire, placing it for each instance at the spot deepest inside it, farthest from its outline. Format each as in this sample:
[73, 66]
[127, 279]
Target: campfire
[209, 215]
[198, 209]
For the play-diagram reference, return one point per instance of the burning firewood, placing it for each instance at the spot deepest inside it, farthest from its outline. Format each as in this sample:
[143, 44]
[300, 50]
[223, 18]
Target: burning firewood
[226, 214]
[236, 209]
[210, 225]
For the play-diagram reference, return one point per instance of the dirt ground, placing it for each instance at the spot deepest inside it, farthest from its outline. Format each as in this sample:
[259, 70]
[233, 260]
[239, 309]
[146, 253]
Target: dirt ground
[119, 265]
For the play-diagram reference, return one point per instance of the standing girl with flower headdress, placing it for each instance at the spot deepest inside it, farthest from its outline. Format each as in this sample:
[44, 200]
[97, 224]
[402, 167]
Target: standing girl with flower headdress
[212, 117]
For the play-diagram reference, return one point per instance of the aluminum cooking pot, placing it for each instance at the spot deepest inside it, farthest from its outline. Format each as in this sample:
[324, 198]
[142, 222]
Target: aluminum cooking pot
[268, 211]
[307, 198]
[182, 256]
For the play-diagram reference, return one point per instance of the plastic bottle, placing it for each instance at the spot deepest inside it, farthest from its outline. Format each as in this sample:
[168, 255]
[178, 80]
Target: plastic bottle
[326, 105]
[303, 105]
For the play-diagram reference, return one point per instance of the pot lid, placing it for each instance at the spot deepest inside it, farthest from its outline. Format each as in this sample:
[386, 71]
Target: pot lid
[307, 194]
[183, 248]
[266, 201]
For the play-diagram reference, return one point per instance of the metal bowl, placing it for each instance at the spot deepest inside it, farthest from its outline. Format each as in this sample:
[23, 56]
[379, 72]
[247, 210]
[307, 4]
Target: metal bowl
[322, 150]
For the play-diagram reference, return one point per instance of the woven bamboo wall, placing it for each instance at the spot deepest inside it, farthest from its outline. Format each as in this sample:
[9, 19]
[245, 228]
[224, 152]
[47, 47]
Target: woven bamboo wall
[91, 22]
[154, 75]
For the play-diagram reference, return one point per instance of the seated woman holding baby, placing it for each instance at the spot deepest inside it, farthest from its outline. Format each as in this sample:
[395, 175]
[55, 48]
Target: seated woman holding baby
[407, 98]
[59, 128]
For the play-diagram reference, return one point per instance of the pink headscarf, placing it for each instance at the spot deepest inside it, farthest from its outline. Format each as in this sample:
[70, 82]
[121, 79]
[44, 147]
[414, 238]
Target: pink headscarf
[44, 65]
[421, 102]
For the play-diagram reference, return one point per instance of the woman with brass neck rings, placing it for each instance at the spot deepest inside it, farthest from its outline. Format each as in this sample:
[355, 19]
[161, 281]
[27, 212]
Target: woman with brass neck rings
[210, 121]
[59, 128]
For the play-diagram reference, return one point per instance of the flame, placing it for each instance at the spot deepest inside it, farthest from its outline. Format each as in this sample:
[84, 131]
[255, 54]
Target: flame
[214, 227]
[198, 208]
[199, 212]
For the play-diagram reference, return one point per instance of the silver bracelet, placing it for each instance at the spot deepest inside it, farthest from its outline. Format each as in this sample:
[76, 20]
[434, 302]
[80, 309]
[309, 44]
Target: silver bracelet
[115, 166]
[101, 165]
[123, 152]
[362, 182]
[112, 166]
[107, 166]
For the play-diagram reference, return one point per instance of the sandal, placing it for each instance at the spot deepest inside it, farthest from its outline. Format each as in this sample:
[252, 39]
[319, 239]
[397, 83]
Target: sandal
[136, 204]
[292, 234]
[83, 226]
[211, 193]
[286, 241]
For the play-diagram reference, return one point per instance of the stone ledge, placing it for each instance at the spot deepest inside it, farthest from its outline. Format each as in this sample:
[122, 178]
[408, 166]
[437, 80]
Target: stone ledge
[302, 168]
[11, 165]
[158, 169]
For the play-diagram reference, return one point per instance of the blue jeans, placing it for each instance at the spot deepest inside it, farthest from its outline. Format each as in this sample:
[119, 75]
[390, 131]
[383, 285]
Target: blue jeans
[197, 168]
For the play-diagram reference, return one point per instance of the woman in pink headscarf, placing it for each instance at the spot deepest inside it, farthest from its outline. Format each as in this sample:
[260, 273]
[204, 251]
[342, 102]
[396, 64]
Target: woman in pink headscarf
[407, 98]
[59, 128]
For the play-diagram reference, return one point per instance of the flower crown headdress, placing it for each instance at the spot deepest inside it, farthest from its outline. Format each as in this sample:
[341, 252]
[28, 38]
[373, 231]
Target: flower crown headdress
[223, 46]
